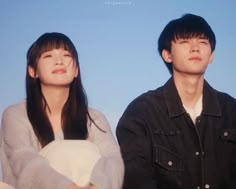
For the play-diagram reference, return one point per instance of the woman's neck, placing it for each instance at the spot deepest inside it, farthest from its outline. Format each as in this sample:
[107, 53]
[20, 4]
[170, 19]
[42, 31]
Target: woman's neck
[56, 97]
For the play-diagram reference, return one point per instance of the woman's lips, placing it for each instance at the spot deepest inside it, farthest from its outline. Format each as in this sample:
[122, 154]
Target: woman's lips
[59, 71]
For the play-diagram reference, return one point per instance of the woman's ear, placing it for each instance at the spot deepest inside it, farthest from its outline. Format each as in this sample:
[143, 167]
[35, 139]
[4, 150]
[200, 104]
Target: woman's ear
[166, 56]
[32, 72]
[76, 71]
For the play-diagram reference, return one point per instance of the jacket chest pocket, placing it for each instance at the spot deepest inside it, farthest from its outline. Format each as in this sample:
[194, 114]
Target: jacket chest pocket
[168, 163]
[227, 144]
[169, 168]
[166, 159]
[163, 143]
[228, 135]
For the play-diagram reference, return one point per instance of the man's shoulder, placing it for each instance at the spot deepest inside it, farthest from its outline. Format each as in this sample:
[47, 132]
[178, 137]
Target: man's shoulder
[148, 98]
[217, 97]
[226, 99]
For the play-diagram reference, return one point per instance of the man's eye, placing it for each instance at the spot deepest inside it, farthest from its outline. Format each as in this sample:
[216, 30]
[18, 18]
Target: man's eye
[67, 55]
[183, 41]
[204, 42]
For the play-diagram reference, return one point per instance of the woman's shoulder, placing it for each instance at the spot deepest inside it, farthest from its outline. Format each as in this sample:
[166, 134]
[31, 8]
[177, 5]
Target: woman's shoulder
[14, 109]
[95, 113]
[98, 118]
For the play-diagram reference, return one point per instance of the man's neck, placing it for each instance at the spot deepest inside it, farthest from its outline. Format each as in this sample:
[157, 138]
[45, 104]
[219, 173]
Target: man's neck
[190, 89]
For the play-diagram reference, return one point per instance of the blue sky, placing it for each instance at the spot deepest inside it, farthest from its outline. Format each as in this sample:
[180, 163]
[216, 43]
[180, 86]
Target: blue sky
[117, 45]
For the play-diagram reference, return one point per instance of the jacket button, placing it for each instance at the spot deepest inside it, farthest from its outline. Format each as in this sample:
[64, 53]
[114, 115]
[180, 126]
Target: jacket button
[170, 163]
[207, 186]
[196, 153]
[226, 134]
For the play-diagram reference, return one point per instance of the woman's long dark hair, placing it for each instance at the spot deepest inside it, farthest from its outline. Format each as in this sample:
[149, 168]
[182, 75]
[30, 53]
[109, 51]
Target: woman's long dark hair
[75, 111]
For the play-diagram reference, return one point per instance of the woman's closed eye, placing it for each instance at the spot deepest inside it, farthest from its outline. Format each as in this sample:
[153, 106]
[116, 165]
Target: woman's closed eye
[46, 55]
[67, 55]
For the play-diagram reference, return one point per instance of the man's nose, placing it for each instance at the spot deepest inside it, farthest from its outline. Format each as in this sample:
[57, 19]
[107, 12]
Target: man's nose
[194, 46]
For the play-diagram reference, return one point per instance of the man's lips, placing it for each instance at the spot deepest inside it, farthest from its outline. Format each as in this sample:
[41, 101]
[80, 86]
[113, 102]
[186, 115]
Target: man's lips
[59, 71]
[195, 58]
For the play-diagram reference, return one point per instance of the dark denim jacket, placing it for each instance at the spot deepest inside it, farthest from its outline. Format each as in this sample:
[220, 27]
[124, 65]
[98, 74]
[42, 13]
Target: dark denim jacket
[163, 149]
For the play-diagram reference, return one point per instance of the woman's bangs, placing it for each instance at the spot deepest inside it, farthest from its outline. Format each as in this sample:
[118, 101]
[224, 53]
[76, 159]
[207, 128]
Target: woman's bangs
[54, 44]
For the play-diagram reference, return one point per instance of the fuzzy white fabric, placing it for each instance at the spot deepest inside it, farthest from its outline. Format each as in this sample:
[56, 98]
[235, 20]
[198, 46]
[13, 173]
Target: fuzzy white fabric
[74, 159]
[24, 168]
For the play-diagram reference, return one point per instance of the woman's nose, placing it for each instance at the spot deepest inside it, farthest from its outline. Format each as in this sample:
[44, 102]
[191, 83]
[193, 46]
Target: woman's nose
[58, 60]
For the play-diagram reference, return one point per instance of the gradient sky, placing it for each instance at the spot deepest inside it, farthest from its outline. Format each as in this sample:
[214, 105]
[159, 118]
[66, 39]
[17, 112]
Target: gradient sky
[116, 42]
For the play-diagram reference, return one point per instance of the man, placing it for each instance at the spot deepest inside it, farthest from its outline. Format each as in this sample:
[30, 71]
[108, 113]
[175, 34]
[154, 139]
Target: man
[183, 134]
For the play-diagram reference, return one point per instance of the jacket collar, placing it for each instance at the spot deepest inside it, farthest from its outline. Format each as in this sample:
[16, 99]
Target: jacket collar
[174, 104]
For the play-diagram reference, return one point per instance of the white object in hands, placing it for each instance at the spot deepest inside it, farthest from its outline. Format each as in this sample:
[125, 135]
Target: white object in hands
[74, 159]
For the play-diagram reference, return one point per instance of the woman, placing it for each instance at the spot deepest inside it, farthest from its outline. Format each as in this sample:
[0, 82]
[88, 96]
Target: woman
[2, 184]
[55, 109]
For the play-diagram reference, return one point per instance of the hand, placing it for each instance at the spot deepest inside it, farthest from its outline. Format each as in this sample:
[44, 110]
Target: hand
[91, 186]
[74, 186]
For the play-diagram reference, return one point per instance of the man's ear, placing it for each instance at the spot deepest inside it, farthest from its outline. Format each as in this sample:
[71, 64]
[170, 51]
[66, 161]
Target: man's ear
[211, 58]
[32, 73]
[166, 56]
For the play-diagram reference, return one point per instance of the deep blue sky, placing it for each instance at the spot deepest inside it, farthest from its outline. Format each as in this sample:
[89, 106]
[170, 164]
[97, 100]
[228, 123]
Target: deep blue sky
[116, 42]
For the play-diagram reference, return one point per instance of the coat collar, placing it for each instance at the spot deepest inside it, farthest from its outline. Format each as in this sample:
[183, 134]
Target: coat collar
[174, 104]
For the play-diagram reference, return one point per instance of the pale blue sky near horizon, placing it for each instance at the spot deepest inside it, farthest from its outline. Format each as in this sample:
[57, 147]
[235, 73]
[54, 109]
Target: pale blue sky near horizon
[117, 45]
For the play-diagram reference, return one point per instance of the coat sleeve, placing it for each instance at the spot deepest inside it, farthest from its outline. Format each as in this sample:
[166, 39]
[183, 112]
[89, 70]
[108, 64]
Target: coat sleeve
[108, 172]
[135, 144]
[29, 169]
